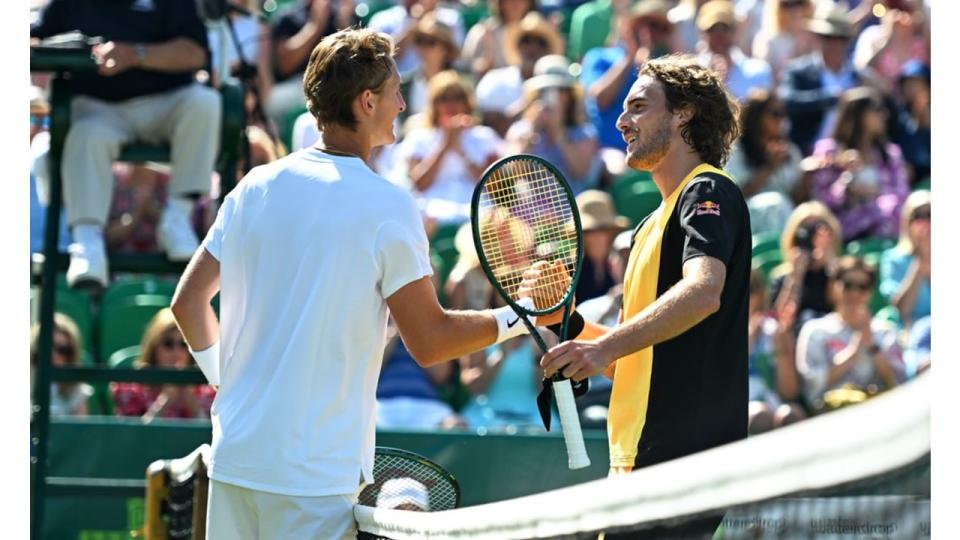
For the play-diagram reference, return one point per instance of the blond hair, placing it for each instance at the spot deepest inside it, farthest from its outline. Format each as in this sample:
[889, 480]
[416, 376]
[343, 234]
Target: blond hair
[918, 198]
[160, 324]
[804, 212]
[61, 323]
[440, 84]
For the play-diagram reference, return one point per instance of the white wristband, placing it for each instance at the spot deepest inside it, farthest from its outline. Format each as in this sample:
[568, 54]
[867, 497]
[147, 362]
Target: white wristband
[509, 324]
[209, 362]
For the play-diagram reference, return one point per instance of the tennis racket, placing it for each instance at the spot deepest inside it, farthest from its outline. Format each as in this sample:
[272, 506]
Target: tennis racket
[524, 216]
[407, 481]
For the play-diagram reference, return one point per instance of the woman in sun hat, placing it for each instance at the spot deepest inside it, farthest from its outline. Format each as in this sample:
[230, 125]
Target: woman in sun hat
[600, 224]
[554, 125]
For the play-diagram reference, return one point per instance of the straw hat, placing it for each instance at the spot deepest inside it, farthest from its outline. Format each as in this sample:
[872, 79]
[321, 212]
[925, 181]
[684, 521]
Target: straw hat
[831, 21]
[654, 9]
[716, 12]
[532, 23]
[430, 26]
[597, 212]
[551, 71]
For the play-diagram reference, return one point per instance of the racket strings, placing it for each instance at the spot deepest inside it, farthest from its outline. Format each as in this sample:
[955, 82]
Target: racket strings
[526, 217]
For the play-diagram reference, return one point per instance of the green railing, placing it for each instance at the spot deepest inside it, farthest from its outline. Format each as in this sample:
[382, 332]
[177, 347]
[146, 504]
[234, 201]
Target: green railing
[62, 63]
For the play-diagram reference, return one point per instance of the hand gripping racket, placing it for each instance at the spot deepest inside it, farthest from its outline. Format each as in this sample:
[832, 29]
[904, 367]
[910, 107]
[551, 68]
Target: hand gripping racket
[523, 216]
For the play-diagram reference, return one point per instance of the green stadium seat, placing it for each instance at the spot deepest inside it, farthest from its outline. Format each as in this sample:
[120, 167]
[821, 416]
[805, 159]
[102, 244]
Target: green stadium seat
[922, 184]
[122, 324]
[134, 285]
[444, 254]
[766, 262]
[124, 357]
[472, 12]
[77, 305]
[589, 27]
[634, 196]
[765, 242]
[866, 246]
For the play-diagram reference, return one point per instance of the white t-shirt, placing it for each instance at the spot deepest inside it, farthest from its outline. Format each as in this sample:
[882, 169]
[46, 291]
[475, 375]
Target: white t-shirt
[310, 246]
[448, 198]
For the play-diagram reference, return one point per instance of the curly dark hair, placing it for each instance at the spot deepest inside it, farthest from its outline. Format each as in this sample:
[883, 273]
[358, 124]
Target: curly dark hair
[341, 67]
[714, 126]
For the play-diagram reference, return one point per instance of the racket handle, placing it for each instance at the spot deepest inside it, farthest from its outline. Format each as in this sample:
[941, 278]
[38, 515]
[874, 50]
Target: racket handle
[570, 422]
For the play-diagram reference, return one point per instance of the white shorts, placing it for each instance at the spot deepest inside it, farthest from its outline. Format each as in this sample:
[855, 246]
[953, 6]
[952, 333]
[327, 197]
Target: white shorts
[237, 513]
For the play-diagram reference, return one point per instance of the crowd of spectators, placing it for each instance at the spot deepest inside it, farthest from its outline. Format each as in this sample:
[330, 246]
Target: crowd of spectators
[834, 159]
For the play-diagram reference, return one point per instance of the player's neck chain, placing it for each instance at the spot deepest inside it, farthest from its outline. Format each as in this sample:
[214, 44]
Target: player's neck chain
[334, 152]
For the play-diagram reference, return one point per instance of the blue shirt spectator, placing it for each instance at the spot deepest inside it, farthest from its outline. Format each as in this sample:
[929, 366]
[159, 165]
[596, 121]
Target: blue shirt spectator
[595, 64]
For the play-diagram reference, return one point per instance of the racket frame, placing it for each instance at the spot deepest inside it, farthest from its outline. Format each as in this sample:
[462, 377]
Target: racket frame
[570, 421]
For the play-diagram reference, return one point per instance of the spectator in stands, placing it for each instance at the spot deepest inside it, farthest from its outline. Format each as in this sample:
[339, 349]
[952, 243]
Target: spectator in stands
[718, 24]
[601, 224]
[916, 357]
[138, 200]
[862, 176]
[407, 394]
[554, 124]
[846, 356]
[486, 42]
[643, 33]
[39, 175]
[447, 155]
[504, 385]
[765, 163]
[811, 85]
[903, 35]
[144, 88]
[437, 50]
[810, 243]
[162, 347]
[500, 91]
[783, 35]
[467, 287]
[400, 21]
[913, 121]
[773, 379]
[905, 268]
[294, 33]
[685, 19]
[66, 398]
[253, 38]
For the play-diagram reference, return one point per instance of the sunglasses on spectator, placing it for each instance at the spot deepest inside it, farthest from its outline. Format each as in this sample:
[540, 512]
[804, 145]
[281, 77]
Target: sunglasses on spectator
[777, 113]
[920, 213]
[171, 343]
[720, 28]
[538, 41]
[451, 98]
[659, 27]
[862, 286]
[65, 350]
[426, 41]
[40, 121]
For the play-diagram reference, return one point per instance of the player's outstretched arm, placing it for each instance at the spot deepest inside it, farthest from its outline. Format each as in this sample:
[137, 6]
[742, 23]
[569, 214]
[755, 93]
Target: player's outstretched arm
[433, 334]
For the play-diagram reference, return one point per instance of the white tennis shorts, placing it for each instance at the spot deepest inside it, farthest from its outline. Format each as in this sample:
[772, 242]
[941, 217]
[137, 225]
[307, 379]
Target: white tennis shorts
[237, 513]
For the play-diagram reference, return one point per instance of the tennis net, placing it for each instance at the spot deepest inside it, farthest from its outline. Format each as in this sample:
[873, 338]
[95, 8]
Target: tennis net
[859, 472]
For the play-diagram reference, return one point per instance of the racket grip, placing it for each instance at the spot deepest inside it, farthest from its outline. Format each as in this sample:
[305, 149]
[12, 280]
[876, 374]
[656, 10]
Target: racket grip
[570, 422]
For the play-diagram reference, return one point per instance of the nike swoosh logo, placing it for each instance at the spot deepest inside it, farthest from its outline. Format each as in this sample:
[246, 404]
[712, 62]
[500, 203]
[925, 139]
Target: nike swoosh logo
[513, 322]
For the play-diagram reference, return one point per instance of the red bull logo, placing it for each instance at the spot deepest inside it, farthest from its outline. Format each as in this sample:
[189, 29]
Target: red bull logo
[708, 207]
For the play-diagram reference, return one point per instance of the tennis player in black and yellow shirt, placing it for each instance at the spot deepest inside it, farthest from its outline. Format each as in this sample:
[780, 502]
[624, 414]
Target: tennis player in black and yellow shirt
[678, 357]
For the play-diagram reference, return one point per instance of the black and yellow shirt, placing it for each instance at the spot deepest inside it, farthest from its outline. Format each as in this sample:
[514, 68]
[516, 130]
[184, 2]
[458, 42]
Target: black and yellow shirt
[688, 393]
